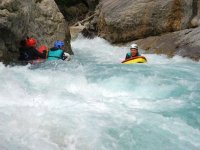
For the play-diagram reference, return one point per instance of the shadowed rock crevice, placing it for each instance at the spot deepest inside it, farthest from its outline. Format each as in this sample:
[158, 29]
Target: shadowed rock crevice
[195, 7]
[76, 10]
[7, 45]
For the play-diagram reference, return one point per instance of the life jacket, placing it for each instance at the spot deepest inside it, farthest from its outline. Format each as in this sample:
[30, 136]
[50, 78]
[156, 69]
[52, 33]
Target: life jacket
[55, 54]
[129, 55]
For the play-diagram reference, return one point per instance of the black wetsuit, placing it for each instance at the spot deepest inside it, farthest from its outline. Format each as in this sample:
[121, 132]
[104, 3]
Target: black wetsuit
[30, 53]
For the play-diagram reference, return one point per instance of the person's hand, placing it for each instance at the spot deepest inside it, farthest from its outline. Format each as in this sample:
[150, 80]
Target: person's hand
[66, 56]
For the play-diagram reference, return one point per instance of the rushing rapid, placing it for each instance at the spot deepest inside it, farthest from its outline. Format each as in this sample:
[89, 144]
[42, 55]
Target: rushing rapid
[94, 102]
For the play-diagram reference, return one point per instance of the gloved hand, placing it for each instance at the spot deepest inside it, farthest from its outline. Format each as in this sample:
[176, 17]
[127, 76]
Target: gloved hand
[66, 56]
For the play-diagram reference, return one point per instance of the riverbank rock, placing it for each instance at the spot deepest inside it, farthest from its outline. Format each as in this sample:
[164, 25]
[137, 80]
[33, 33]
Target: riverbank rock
[127, 20]
[185, 43]
[40, 19]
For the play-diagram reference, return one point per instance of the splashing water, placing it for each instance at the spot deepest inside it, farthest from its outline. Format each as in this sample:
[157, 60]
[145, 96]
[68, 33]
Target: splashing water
[94, 102]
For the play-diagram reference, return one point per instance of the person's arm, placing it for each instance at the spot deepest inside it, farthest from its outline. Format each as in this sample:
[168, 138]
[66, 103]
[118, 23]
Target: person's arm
[127, 56]
[41, 55]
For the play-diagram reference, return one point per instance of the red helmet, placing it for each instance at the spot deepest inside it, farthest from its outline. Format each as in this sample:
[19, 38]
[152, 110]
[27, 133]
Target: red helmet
[31, 42]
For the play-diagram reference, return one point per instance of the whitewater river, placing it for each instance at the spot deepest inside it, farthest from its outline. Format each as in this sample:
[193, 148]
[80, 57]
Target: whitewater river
[94, 102]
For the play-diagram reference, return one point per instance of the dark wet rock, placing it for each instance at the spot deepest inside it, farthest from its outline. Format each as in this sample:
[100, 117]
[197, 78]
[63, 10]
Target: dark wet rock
[91, 4]
[40, 19]
[89, 33]
[76, 10]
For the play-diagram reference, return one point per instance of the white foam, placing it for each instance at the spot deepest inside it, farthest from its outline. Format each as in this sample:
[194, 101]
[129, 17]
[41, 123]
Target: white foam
[94, 102]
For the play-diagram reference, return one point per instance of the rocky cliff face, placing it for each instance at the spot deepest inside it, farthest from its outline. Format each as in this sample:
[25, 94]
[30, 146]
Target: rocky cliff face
[40, 19]
[122, 21]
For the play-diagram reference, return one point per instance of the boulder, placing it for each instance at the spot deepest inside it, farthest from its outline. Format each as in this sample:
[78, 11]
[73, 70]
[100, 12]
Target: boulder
[127, 20]
[40, 19]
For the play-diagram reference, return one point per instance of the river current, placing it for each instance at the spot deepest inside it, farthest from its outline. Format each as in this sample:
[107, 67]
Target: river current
[94, 102]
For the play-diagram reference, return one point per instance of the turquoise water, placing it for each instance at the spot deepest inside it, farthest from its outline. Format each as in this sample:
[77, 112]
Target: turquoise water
[94, 102]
